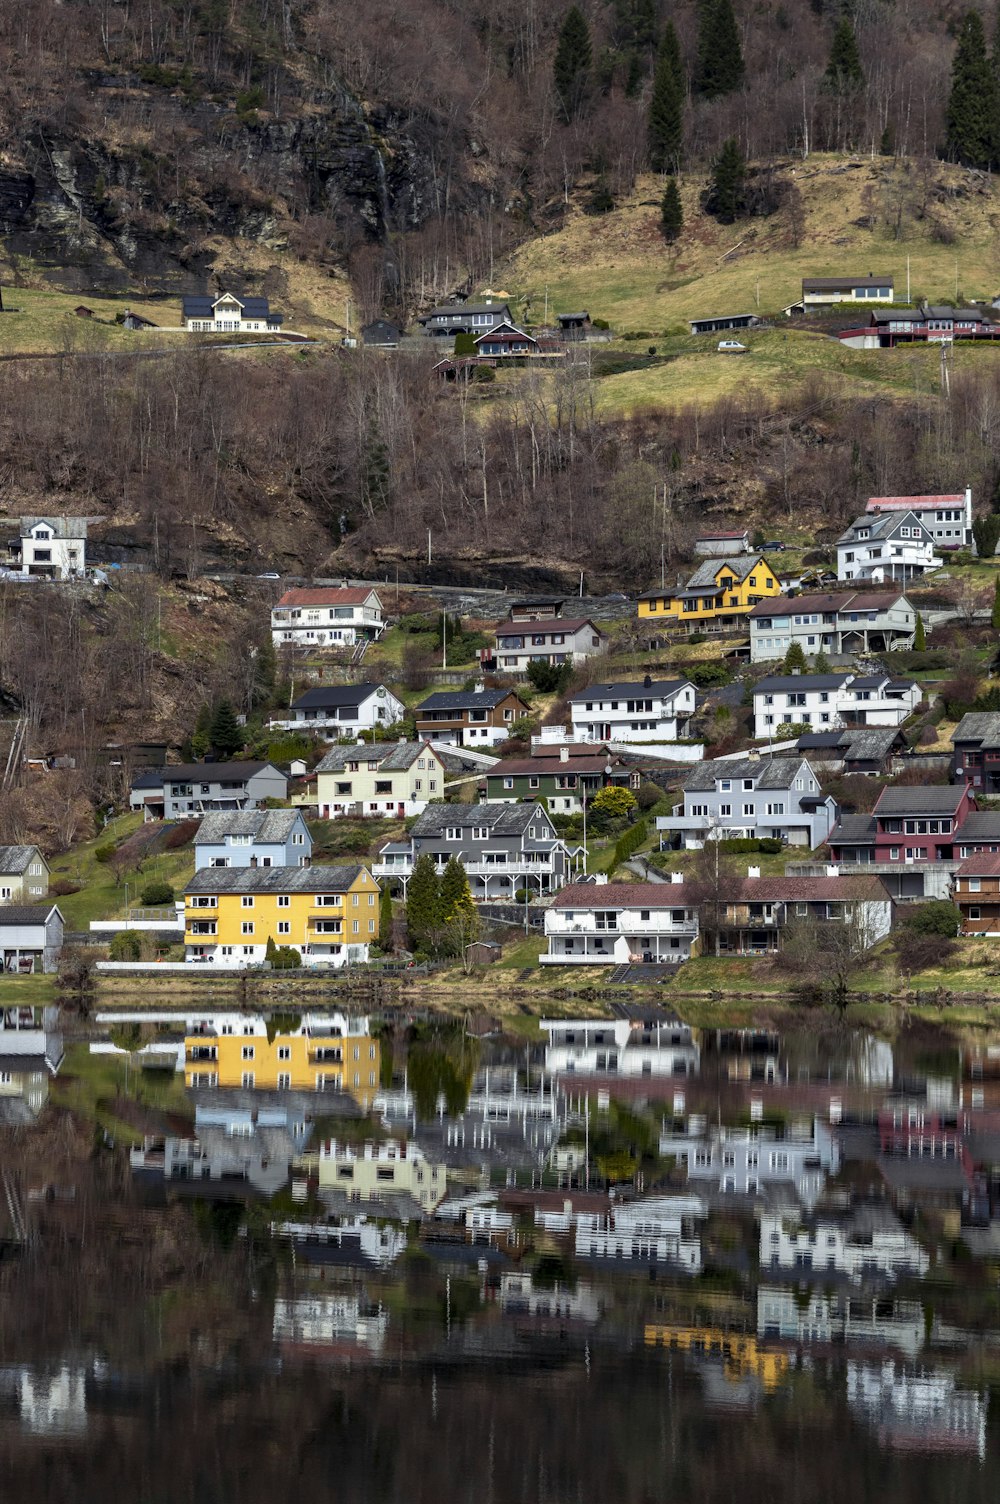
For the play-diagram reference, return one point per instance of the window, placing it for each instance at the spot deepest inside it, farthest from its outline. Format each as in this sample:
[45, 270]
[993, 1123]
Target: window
[975, 885]
[508, 783]
[249, 1079]
[284, 1052]
[283, 901]
[246, 901]
[284, 928]
[779, 1161]
[453, 833]
[284, 1081]
[748, 809]
[246, 928]
[974, 913]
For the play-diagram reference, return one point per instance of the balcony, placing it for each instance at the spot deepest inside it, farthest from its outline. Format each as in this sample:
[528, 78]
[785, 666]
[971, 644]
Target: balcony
[661, 926]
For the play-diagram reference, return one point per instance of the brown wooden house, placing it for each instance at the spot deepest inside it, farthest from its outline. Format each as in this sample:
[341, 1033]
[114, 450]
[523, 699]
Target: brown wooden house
[977, 893]
[469, 718]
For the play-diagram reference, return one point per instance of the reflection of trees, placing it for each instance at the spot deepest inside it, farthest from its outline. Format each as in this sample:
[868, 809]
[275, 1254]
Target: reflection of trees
[442, 1065]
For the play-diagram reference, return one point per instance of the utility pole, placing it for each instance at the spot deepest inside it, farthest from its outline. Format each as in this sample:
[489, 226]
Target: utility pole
[444, 639]
[428, 545]
[907, 279]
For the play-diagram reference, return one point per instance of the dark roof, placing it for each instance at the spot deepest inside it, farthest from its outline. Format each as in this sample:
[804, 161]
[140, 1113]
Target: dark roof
[380, 331]
[937, 799]
[870, 743]
[742, 568]
[830, 602]
[461, 699]
[202, 306]
[552, 767]
[17, 858]
[335, 695]
[625, 895]
[626, 687]
[833, 284]
[850, 828]
[783, 682]
[502, 817]
[982, 726]
[980, 825]
[462, 310]
[274, 879]
[392, 757]
[264, 825]
[15, 913]
[768, 772]
[211, 772]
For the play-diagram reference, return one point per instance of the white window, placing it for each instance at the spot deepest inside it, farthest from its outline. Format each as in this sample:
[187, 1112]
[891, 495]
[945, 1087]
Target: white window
[246, 901]
[284, 928]
[283, 901]
[246, 928]
[284, 1052]
[284, 1081]
[975, 885]
[248, 1052]
[249, 1079]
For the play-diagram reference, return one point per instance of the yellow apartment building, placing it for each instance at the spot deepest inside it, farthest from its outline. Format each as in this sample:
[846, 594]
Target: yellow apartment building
[718, 589]
[328, 914]
[326, 1052]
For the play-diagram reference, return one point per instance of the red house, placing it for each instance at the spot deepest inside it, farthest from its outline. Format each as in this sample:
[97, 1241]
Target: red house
[907, 825]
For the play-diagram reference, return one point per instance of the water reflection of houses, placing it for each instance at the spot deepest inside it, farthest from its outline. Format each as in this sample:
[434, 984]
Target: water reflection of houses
[521, 1296]
[322, 1052]
[827, 1317]
[735, 1368]
[917, 1409]
[329, 1326]
[242, 1141]
[639, 1048]
[393, 1172]
[656, 1230]
[52, 1403]
[31, 1052]
[354, 1241]
[755, 1160]
[864, 1243]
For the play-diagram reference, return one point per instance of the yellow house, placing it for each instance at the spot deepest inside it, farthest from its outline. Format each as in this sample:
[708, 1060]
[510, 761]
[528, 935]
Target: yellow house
[372, 1171]
[741, 1355]
[328, 914]
[325, 1052]
[718, 589]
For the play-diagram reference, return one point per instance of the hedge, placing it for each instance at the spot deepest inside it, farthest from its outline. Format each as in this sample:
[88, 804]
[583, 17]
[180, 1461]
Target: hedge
[628, 842]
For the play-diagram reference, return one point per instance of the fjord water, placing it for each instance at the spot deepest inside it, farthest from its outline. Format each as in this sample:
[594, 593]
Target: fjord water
[169, 1350]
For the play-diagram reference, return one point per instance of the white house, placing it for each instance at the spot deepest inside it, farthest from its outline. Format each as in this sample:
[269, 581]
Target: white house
[31, 937]
[228, 314]
[657, 1230]
[948, 519]
[326, 618]
[821, 292]
[611, 924]
[54, 547]
[343, 710]
[559, 640]
[379, 778]
[828, 702]
[619, 1046]
[253, 838]
[743, 1160]
[633, 711]
[870, 1241]
[845, 621]
[917, 1408]
[887, 546]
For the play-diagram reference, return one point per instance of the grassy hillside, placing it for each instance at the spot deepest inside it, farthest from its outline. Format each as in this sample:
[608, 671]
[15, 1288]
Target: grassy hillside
[619, 268]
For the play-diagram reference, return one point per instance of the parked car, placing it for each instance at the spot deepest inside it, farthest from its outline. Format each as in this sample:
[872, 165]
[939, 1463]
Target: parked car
[731, 347]
[772, 548]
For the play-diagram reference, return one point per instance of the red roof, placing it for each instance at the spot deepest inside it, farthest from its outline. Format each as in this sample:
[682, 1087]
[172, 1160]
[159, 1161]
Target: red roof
[544, 624]
[811, 889]
[829, 602]
[980, 864]
[621, 895]
[332, 596]
[907, 503]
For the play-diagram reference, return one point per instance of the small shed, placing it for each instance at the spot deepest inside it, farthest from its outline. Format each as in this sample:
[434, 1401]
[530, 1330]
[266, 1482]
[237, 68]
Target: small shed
[573, 325]
[135, 321]
[715, 323]
[381, 334]
[482, 953]
[83, 312]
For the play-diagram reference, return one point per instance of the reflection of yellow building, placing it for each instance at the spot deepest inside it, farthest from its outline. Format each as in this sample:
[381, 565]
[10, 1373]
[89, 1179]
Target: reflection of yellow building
[718, 589]
[324, 1053]
[741, 1355]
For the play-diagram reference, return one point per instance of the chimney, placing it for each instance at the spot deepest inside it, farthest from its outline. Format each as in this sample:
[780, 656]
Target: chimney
[600, 879]
[796, 671]
[647, 682]
[753, 872]
[676, 877]
[832, 870]
[564, 754]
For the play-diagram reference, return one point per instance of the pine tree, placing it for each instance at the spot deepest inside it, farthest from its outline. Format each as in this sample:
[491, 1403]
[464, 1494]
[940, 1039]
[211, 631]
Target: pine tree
[919, 636]
[821, 663]
[423, 905]
[670, 48]
[995, 613]
[666, 110]
[795, 658]
[456, 898]
[671, 212]
[645, 26]
[265, 672]
[385, 918]
[844, 72]
[201, 739]
[720, 68]
[729, 170]
[573, 59]
[226, 734]
[972, 104]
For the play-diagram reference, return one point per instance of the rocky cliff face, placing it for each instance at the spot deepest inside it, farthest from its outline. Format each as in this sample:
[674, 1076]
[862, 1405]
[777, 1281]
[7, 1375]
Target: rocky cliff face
[94, 213]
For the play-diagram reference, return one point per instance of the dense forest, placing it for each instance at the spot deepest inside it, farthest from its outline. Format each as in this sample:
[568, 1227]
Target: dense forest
[415, 145]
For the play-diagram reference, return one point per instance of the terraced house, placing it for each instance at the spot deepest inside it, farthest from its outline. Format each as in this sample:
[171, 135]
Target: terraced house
[324, 1052]
[328, 914]
[720, 590]
[504, 849]
[847, 621]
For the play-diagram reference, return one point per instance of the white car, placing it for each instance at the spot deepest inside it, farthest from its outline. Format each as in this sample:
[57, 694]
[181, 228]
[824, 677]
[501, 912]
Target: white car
[731, 347]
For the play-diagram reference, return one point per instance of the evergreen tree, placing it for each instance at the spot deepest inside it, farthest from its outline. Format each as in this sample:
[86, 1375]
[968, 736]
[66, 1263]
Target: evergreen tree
[646, 29]
[919, 636]
[972, 104]
[795, 658]
[423, 905]
[995, 613]
[571, 68]
[670, 48]
[720, 68]
[201, 739]
[821, 663]
[729, 171]
[844, 72]
[666, 110]
[671, 212]
[986, 534]
[226, 733]
[265, 672]
[385, 918]
[456, 898]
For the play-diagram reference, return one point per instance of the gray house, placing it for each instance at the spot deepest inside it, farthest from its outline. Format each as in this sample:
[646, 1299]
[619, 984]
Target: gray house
[503, 848]
[245, 1140]
[752, 796]
[189, 790]
[31, 937]
[467, 318]
[253, 838]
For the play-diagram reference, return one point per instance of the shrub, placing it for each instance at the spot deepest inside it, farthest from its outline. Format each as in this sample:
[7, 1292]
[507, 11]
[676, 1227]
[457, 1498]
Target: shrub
[125, 946]
[549, 678]
[705, 675]
[103, 854]
[938, 918]
[524, 895]
[629, 842]
[181, 834]
[156, 893]
[62, 888]
[600, 324]
[918, 952]
[649, 795]
[286, 958]
[764, 844]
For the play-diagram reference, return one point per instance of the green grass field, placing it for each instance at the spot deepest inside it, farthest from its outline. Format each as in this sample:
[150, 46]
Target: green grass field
[100, 895]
